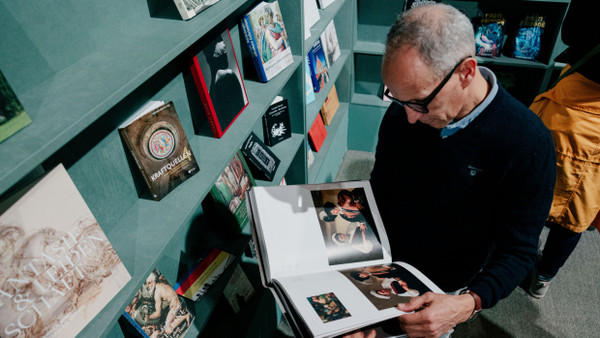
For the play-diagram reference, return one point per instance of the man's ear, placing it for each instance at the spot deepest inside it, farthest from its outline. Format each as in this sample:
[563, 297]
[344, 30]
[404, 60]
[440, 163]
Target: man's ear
[466, 71]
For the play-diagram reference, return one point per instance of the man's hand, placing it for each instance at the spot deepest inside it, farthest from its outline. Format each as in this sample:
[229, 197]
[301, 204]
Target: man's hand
[435, 314]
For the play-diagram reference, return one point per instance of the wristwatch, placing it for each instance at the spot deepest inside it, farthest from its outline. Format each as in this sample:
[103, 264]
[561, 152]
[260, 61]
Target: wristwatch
[477, 302]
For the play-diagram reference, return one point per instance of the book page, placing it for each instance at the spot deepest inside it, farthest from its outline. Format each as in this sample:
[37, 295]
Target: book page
[332, 302]
[310, 228]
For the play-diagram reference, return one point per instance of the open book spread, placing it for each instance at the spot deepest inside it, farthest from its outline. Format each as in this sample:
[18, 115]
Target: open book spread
[323, 251]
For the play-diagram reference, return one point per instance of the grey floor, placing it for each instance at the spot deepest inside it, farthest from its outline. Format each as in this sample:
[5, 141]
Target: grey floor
[570, 309]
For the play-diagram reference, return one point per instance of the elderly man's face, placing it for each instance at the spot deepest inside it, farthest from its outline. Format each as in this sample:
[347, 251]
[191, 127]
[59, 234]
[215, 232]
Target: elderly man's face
[409, 79]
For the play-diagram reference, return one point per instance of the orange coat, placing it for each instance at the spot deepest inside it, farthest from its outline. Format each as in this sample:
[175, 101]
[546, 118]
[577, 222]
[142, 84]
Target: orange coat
[571, 110]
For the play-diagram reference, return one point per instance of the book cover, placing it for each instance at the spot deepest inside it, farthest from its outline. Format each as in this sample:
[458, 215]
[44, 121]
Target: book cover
[264, 31]
[12, 113]
[528, 38]
[410, 4]
[324, 3]
[276, 122]
[489, 34]
[330, 43]
[319, 72]
[309, 91]
[58, 269]
[311, 16]
[262, 161]
[335, 274]
[204, 274]
[219, 82]
[229, 191]
[157, 310]
[156, 140]
[317, 134]
[238, 290]
[190, 8]
[330, 106]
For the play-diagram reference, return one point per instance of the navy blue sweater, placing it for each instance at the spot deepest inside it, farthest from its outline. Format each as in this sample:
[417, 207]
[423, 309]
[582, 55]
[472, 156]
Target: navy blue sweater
[467, 210]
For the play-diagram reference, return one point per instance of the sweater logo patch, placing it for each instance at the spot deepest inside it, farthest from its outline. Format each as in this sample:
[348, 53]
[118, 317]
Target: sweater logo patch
[474, 170]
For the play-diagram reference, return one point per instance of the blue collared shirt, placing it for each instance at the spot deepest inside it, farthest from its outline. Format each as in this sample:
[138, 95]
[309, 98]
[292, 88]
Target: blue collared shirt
[453, 127]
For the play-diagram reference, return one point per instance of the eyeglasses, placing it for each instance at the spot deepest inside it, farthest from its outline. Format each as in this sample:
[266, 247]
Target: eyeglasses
[420, 106]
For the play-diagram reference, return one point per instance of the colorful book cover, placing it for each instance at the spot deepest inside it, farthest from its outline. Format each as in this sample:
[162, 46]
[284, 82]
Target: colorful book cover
[157, 310]
[319, 72]
[528, 39]
[219, 82]
[264, 31]
[330, 106]
[229, 191]
[58, 269]
[331, 45]
[489, 34]
[276, 122]
[156, 139]
[308, 85]
[317, 134]
[204, 274]
[190, 8]
[12, 114]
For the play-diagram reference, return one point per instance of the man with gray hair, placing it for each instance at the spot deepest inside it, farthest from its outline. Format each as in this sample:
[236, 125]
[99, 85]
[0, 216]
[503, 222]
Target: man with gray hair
[464, 173]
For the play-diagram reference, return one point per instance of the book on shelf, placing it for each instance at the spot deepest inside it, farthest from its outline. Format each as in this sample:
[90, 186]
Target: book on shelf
[310, 156]
[13, 116]
[489, 34]
[238, 290]
[324, 3]
[58, 268]
[157, 142]
[410, 4]
[330, 106]
[276, 122]
[334, 274]
[263, 163]
[190, 8]
[229, 191]
[309, 91]
[204, 273]
[157, 310]
[330, 43]
[527, 41]
[265, 34]
[219, 82]
[317, 133]
[317, 62]
[311, 16]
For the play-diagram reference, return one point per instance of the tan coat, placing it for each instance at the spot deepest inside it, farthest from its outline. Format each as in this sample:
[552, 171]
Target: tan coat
[571, 110]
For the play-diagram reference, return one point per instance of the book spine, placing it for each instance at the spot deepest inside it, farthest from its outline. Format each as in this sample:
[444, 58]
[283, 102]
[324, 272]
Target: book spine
[205, 98]
[253, 47]
[266, 130]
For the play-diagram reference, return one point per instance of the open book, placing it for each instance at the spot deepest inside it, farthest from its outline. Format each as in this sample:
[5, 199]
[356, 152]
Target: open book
[323, 251]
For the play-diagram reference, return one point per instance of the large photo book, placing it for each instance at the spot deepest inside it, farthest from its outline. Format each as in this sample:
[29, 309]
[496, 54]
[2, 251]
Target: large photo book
[323, 252]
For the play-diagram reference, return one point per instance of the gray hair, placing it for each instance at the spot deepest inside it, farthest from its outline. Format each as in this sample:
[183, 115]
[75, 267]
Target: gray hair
[442, 35]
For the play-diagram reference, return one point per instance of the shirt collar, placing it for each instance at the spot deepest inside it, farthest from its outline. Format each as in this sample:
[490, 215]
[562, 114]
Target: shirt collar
[453, 127]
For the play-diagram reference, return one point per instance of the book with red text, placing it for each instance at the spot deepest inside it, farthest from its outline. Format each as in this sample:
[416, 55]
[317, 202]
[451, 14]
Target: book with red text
[58, 269]
[219, 83]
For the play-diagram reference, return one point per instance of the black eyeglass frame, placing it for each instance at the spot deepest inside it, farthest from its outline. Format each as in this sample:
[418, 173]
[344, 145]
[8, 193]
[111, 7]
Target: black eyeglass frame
[420, 106]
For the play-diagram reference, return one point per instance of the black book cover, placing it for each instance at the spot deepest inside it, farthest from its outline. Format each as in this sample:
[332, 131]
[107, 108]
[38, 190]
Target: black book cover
[276, 123]
[262, 161]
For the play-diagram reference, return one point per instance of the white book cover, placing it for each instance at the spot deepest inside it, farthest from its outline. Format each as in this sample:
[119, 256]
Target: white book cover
[311, 16]
[331, 45]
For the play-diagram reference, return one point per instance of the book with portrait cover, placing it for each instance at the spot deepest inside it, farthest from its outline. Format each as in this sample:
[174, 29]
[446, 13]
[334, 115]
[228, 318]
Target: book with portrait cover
[190, 8]
[323, 251]
[157, 142]
[489, 34]
[219, 82]
[317, 134]
[276, 122]
[229, 191]
[330, 106]
[58, 269]
[330, 43]
[157, 310]
[264, 31]
[12, 114]
[527, 41]
[204, 273]
[317, 62]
